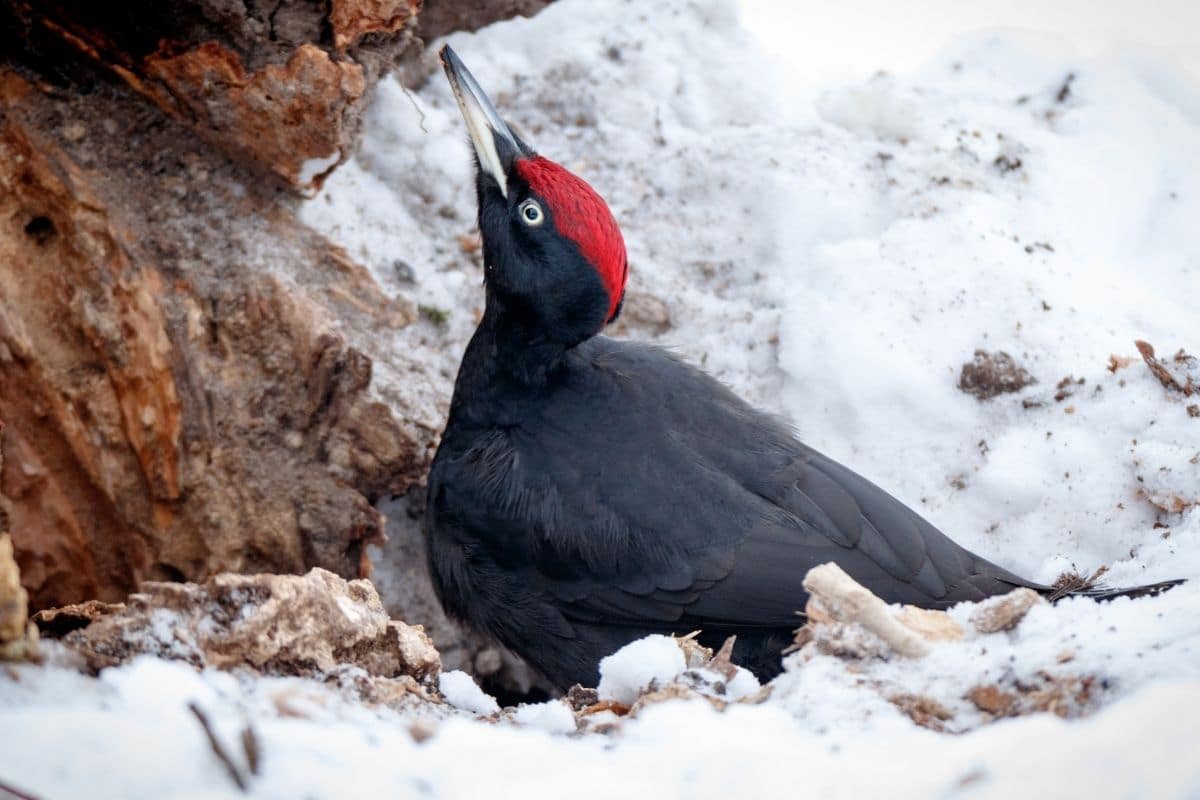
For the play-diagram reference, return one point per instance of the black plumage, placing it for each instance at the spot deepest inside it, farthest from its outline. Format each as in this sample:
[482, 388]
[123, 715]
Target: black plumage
[589, 491]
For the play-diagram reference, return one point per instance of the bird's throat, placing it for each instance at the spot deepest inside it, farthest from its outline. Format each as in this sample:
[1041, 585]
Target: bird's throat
[507, 364]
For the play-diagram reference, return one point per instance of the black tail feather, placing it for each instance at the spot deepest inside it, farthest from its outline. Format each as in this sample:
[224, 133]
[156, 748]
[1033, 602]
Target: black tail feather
[1100, 592]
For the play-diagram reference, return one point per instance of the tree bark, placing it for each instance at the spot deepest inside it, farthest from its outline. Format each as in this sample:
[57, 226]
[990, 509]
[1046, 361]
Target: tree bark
[188, 373]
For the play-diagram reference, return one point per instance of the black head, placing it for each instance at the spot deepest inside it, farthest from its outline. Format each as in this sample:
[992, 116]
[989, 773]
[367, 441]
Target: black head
[554, 258]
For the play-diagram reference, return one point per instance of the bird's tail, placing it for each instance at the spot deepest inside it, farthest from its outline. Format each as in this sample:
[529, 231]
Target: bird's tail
[1101, 592]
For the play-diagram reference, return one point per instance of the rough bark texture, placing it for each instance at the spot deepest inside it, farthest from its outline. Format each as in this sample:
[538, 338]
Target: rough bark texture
[281, 624]
[352, 20]
[180, 393]
[190, 376]
[279, 85]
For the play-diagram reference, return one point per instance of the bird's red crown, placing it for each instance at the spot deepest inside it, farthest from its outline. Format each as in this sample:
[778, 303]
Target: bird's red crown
[582, 216]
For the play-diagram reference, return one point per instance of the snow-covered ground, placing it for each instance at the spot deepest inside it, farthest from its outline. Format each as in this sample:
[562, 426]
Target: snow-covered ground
[835, 253]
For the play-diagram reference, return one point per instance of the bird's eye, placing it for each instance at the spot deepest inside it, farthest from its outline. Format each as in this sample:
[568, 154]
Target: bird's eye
[531, 213]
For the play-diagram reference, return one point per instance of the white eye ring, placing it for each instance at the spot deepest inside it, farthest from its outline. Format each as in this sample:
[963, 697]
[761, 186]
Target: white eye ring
[531, 213]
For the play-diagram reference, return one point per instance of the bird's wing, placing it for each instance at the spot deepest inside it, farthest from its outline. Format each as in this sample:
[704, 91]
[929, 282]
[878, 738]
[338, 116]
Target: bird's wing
[834, 514]
[750, 575]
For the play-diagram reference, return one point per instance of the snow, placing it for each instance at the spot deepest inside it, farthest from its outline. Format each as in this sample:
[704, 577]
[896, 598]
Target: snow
[313, 167]
[834, 246]
[638, 666]
[846, 42]
[743, 684]
[461, 691]
[553, 716]
[103, 740]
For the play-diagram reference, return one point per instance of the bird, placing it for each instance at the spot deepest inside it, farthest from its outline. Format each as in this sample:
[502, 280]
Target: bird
[589, 491]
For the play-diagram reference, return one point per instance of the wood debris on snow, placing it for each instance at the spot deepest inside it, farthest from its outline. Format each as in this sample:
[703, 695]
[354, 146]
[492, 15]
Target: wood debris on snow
[1005, 612]
[836, 600]
[848, 622]
[1180, 374]
[313, 625]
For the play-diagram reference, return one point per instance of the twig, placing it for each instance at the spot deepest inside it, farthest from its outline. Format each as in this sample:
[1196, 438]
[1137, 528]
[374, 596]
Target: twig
[416, 107]
[217, 748]
[7, 790]
[252, 749]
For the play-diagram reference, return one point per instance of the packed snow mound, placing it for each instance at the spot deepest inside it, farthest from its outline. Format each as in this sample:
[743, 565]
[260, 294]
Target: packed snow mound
[657, 668]
[460, 690]
[638, 667]
[555, 716]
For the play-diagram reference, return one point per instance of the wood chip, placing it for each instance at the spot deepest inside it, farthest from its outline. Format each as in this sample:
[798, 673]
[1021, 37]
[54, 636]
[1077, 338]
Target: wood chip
[1005, 612]
[1161, 372]
[992, 699]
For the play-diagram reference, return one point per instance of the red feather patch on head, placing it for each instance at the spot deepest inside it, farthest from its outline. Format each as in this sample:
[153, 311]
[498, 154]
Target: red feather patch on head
[582, 216]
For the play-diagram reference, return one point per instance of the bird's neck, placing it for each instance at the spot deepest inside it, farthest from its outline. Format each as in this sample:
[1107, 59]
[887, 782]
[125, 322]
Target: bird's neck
[508, 364]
